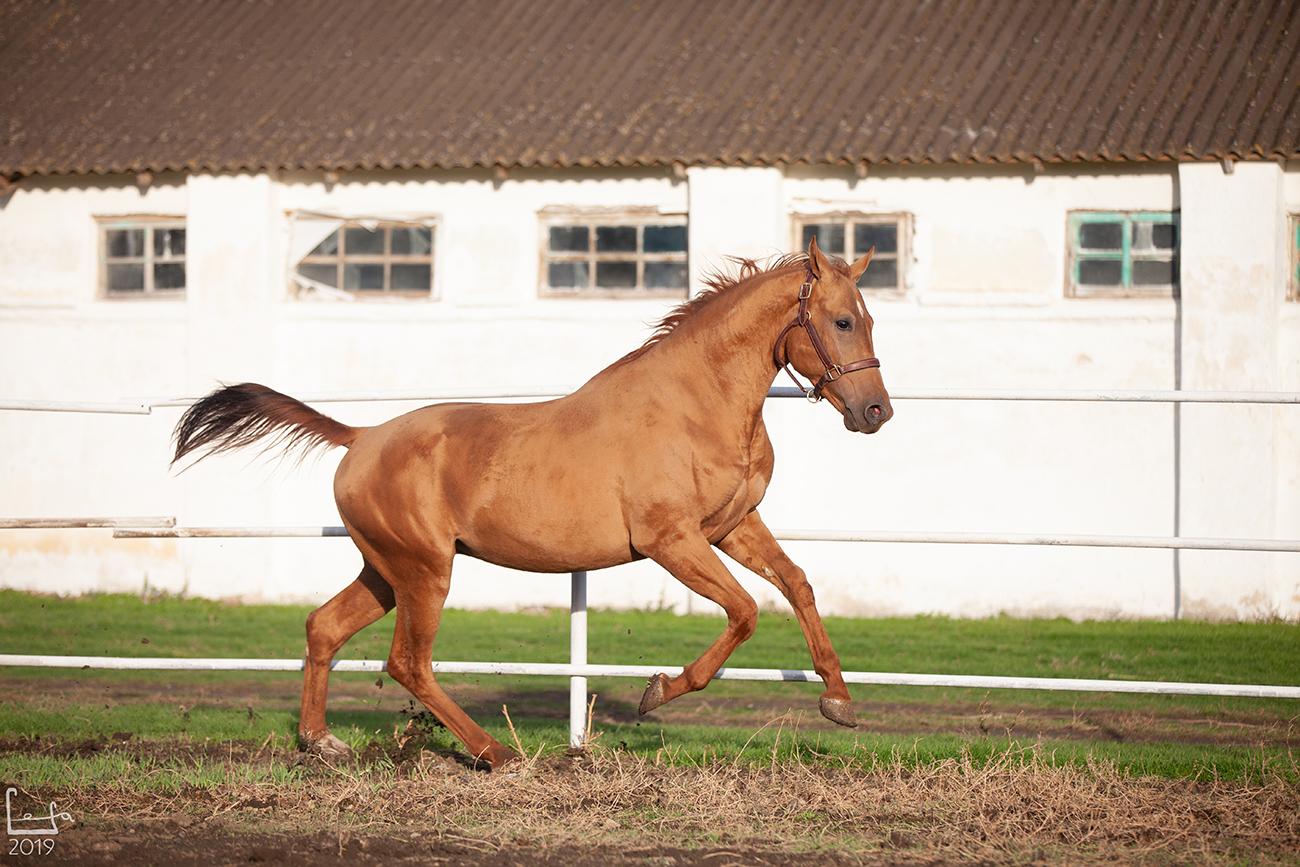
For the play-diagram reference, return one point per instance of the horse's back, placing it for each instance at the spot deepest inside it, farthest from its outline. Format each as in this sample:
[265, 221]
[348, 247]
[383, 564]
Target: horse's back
[530, 486]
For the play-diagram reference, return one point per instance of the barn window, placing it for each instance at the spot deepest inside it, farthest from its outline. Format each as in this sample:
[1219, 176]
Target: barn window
[142, 257]
[1123, 254]
[371, 259]
[850, 236]
[613, 254]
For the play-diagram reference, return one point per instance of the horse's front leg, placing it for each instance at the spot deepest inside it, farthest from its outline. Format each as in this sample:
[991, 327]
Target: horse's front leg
[752, 545]
[691, 560]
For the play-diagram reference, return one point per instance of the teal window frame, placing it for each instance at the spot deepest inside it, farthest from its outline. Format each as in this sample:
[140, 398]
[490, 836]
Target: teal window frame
[1125, 254]
[1293, 290]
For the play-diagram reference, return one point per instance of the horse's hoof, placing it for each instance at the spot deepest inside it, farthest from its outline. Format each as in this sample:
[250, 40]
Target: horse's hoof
[503, 759]
[331, 749]
[839, 711]
[654, 694]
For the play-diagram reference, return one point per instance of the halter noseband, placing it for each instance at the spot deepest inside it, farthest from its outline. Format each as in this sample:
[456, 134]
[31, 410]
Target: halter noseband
[833, 371]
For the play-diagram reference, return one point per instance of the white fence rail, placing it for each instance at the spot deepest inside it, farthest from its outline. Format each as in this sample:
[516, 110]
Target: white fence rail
[577, 670]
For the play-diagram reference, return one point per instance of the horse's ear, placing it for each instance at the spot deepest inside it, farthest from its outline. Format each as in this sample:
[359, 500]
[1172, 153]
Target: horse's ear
[818, 264]
[857, 268]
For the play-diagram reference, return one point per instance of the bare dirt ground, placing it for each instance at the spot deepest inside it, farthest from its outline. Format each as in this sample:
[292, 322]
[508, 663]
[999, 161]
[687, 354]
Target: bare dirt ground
[408, 804]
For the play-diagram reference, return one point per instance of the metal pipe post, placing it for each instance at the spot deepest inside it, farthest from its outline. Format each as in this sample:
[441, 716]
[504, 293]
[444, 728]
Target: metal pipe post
[578, 656]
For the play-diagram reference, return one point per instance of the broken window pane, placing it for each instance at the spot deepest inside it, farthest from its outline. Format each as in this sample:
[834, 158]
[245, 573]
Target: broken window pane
[327, 275]
[328, 247]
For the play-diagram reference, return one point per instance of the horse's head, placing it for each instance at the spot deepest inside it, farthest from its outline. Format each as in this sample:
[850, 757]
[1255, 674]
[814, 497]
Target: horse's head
[844, 365]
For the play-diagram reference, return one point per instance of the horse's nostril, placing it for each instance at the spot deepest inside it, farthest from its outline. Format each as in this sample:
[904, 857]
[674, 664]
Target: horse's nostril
[875, 412]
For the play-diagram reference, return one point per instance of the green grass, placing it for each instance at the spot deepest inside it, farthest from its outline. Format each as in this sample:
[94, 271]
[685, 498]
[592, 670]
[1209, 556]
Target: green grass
[117, 625]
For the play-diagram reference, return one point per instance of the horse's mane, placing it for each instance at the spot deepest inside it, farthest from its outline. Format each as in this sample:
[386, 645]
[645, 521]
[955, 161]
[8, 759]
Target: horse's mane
[717, 285]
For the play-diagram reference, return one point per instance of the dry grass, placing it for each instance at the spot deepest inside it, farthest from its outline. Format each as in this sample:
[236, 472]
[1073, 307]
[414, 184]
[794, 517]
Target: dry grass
[1018, 808]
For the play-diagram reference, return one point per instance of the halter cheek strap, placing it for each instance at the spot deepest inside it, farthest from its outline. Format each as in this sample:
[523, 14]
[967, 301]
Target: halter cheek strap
[833, 371]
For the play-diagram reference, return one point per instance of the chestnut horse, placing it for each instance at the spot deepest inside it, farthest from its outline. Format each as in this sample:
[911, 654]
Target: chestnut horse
[663, 455]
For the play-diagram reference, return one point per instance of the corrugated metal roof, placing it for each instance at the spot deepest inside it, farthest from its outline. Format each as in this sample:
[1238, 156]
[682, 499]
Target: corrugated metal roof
[136, 85]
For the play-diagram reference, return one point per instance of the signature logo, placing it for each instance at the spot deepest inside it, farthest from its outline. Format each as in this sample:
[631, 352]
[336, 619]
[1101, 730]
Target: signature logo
[25, 826]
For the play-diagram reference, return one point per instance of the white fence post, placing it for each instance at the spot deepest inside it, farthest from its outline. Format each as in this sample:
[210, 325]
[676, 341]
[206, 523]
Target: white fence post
[578, 656]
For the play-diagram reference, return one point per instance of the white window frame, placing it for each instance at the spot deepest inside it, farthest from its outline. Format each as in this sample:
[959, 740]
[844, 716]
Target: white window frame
[900, 256]
[593, 220]
[149, 260]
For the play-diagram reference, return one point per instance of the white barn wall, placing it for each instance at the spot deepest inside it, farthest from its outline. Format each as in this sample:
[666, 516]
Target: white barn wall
[985, 308]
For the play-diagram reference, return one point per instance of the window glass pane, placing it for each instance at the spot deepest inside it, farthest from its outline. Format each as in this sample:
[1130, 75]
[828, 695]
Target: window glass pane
[1101, 236]
[406, 277]
[1101, 272]
[168, 243]
[665, 275]
[1164, 236]
[360, 241]
[125, 244]
[830, 237]
[880, 274]
[568, 275]
[126, 278]
[327, 275]
[169, 275]
[616, 275]
[363, 277]
[328, 247]
[615, 239]
[1153, 272]
[882, 236]
[412, 241]
[568, 239]
[665, 239]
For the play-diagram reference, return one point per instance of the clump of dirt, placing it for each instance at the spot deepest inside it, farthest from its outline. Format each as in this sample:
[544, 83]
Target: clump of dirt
[605, 806]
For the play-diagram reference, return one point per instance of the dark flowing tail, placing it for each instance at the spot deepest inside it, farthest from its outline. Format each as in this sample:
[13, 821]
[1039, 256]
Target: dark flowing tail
[239, 415]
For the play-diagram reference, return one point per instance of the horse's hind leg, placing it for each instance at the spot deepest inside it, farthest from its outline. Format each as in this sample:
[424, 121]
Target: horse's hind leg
[329, 627]
[752, 545]
[693, 562]
[419, 612]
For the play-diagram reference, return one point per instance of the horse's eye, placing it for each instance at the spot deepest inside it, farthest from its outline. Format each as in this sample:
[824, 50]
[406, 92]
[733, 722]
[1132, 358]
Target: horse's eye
[844, 324]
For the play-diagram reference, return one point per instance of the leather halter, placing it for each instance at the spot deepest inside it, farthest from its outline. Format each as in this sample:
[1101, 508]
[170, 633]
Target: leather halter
[833, 371]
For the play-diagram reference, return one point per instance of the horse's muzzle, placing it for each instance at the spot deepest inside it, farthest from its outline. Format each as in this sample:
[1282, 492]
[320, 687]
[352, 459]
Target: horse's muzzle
[867, 419]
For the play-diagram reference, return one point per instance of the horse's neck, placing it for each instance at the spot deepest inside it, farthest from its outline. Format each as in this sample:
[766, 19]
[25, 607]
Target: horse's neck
[728, 344]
